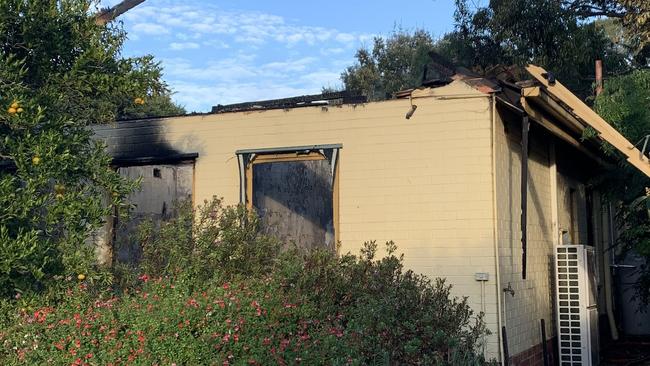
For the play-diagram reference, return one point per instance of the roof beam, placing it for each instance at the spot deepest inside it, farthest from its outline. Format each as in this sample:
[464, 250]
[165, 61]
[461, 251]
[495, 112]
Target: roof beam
[545, 122]
[108, 15]
[591, 118]
[554, 108]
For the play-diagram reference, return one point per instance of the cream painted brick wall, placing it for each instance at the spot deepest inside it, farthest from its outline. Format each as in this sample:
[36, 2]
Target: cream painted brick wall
[533, 296]
[425, 183]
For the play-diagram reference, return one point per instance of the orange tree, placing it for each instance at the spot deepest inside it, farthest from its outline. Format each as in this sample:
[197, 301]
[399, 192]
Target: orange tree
[59, 73]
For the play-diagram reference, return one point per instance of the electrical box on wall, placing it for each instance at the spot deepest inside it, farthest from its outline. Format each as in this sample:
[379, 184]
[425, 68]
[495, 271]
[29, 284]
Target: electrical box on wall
[482, 276]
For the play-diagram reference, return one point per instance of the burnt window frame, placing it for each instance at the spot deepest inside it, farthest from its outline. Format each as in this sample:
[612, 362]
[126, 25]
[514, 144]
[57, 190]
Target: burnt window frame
[247, 158]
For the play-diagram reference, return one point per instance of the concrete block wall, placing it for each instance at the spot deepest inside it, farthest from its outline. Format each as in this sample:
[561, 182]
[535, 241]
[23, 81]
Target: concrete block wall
[425, 182]
[533, 297]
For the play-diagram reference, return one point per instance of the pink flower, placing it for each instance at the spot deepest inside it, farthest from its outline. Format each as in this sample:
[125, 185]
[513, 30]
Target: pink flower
[193, 303]
[40, 315]
[144, 278]
[226, 286]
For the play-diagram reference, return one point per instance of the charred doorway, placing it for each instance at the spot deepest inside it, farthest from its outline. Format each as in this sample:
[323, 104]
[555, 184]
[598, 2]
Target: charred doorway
[164, 185]
[294, 191]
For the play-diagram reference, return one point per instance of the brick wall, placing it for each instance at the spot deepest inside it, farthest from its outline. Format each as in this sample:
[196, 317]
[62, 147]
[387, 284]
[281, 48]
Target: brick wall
[534, 356]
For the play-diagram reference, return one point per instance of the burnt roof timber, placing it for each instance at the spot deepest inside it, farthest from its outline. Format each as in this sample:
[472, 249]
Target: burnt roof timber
[343, 97]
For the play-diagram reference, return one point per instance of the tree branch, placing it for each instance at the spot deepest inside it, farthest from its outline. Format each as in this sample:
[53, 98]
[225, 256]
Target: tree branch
[107, 15]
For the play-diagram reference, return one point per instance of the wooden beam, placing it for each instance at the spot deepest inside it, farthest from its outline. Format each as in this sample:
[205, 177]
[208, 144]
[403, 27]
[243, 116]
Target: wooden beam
[554, 108]
[105, 16]
[588, 116]
[543, 121]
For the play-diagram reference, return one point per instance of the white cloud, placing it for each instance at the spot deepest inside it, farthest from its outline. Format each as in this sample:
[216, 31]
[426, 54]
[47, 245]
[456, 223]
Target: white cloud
[179, 46]
[193, 95]
[237, 69]
[240, 79]
[246, 26]
[244, 55]
[216, 43]
[149, 29]
[345, 37]
[332, 51]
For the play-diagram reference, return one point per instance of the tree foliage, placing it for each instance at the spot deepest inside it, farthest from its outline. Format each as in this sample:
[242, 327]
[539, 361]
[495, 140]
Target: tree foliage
[624, 104]
[393, 64]
[542, 32]
[633, 16]
[59, 72]
[548, 33]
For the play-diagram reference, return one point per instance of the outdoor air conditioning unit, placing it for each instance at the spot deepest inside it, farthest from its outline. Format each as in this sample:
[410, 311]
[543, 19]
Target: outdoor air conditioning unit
[576, 310]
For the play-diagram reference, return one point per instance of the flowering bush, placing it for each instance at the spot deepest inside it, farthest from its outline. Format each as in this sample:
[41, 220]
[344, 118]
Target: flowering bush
[281, 308]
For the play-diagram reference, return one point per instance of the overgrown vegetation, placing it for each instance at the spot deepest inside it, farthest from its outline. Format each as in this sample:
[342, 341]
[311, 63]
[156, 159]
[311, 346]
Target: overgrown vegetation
[624, 104]
[59, 73]
[220, 292]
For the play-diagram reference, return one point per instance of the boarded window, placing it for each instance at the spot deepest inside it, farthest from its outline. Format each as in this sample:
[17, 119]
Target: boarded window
[295, 195]
[162, 187]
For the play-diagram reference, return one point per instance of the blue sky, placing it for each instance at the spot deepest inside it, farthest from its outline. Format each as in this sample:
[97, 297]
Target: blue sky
[220, 52]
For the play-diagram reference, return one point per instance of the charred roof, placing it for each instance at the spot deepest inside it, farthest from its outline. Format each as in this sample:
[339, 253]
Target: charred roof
[324, 99]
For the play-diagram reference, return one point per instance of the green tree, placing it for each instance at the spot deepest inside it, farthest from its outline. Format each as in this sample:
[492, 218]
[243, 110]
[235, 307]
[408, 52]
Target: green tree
[624, 104]
[505, 32]
[544, 32]
[632, 15]
[395, 63]
[59, 73]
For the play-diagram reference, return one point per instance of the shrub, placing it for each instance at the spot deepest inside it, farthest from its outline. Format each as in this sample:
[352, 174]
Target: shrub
[210, 242]
[251, 304]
